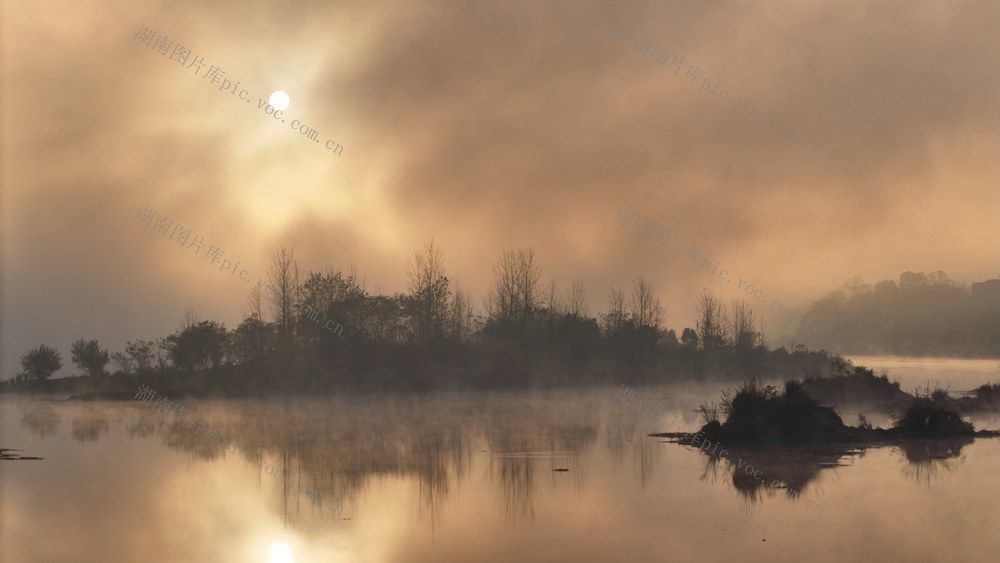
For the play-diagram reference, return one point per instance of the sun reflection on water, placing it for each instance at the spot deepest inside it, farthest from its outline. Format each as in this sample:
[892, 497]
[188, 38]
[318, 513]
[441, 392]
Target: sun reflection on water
[280, 553]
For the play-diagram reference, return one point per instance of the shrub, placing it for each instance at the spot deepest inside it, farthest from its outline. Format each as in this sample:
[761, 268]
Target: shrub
[924, 419]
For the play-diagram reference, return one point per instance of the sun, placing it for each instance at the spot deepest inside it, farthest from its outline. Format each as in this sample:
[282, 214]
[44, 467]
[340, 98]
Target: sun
[280, 553]
[279, 100]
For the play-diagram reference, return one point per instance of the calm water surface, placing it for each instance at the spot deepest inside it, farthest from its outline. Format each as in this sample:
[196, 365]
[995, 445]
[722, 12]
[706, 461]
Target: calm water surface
[467, 477]
[958, 375]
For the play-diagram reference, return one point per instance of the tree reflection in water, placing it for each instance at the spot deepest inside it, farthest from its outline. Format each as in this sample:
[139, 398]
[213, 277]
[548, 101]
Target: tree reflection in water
[41, 419]
[791, 470]
[926, 458]
[323, 454]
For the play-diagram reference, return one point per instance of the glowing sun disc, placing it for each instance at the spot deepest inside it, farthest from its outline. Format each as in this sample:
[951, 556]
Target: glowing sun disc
[279, 100]
[280, 553]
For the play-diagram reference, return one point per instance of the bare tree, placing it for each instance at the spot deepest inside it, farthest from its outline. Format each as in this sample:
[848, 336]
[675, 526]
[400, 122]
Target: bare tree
[528, 275]
[190, 318]
[461, 315]
[711, 322]
[283, 285]
[761, 332]
[254, 306]
[614, 320]
[742, 327]
[502, 299]
[552, 301]
[429, 293]
[576, 300]
[125, 363]
[644, 307]
[358, 279]
[513, 297]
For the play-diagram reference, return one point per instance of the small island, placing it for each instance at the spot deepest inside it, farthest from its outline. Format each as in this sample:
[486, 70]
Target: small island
[759, 416]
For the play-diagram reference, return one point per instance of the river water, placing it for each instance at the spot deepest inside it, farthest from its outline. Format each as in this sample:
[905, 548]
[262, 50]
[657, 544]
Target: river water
[563, 475]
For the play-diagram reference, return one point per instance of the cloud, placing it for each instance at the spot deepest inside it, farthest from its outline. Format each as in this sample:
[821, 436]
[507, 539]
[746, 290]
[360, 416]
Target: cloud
[488, 125]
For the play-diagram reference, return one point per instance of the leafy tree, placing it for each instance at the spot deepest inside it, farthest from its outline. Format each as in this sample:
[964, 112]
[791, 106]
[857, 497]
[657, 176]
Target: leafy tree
[429, 287]
[669, 338]
[911, 280]
[351, 304]
[88, 356]
[197, 346]
[142, 354]
[575, 338]
[689, 337]
[252, 339]
[40, 363]
[379, 318]
[856, 286]
[325, 303]
[924, 314]
[124, 361]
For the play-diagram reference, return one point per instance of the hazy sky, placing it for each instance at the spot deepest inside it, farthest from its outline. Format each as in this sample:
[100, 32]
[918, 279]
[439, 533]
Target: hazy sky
[485, 125]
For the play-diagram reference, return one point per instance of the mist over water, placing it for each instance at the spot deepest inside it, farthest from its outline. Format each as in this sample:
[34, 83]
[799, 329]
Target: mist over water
[487, 281]
[957, 374]
[499, 476]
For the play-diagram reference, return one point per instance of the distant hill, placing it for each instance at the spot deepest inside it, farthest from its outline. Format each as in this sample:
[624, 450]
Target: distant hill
[921, 315]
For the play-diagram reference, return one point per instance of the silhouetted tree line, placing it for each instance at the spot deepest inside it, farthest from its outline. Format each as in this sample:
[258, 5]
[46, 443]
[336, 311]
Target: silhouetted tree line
[434, 335]
[921, 315]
